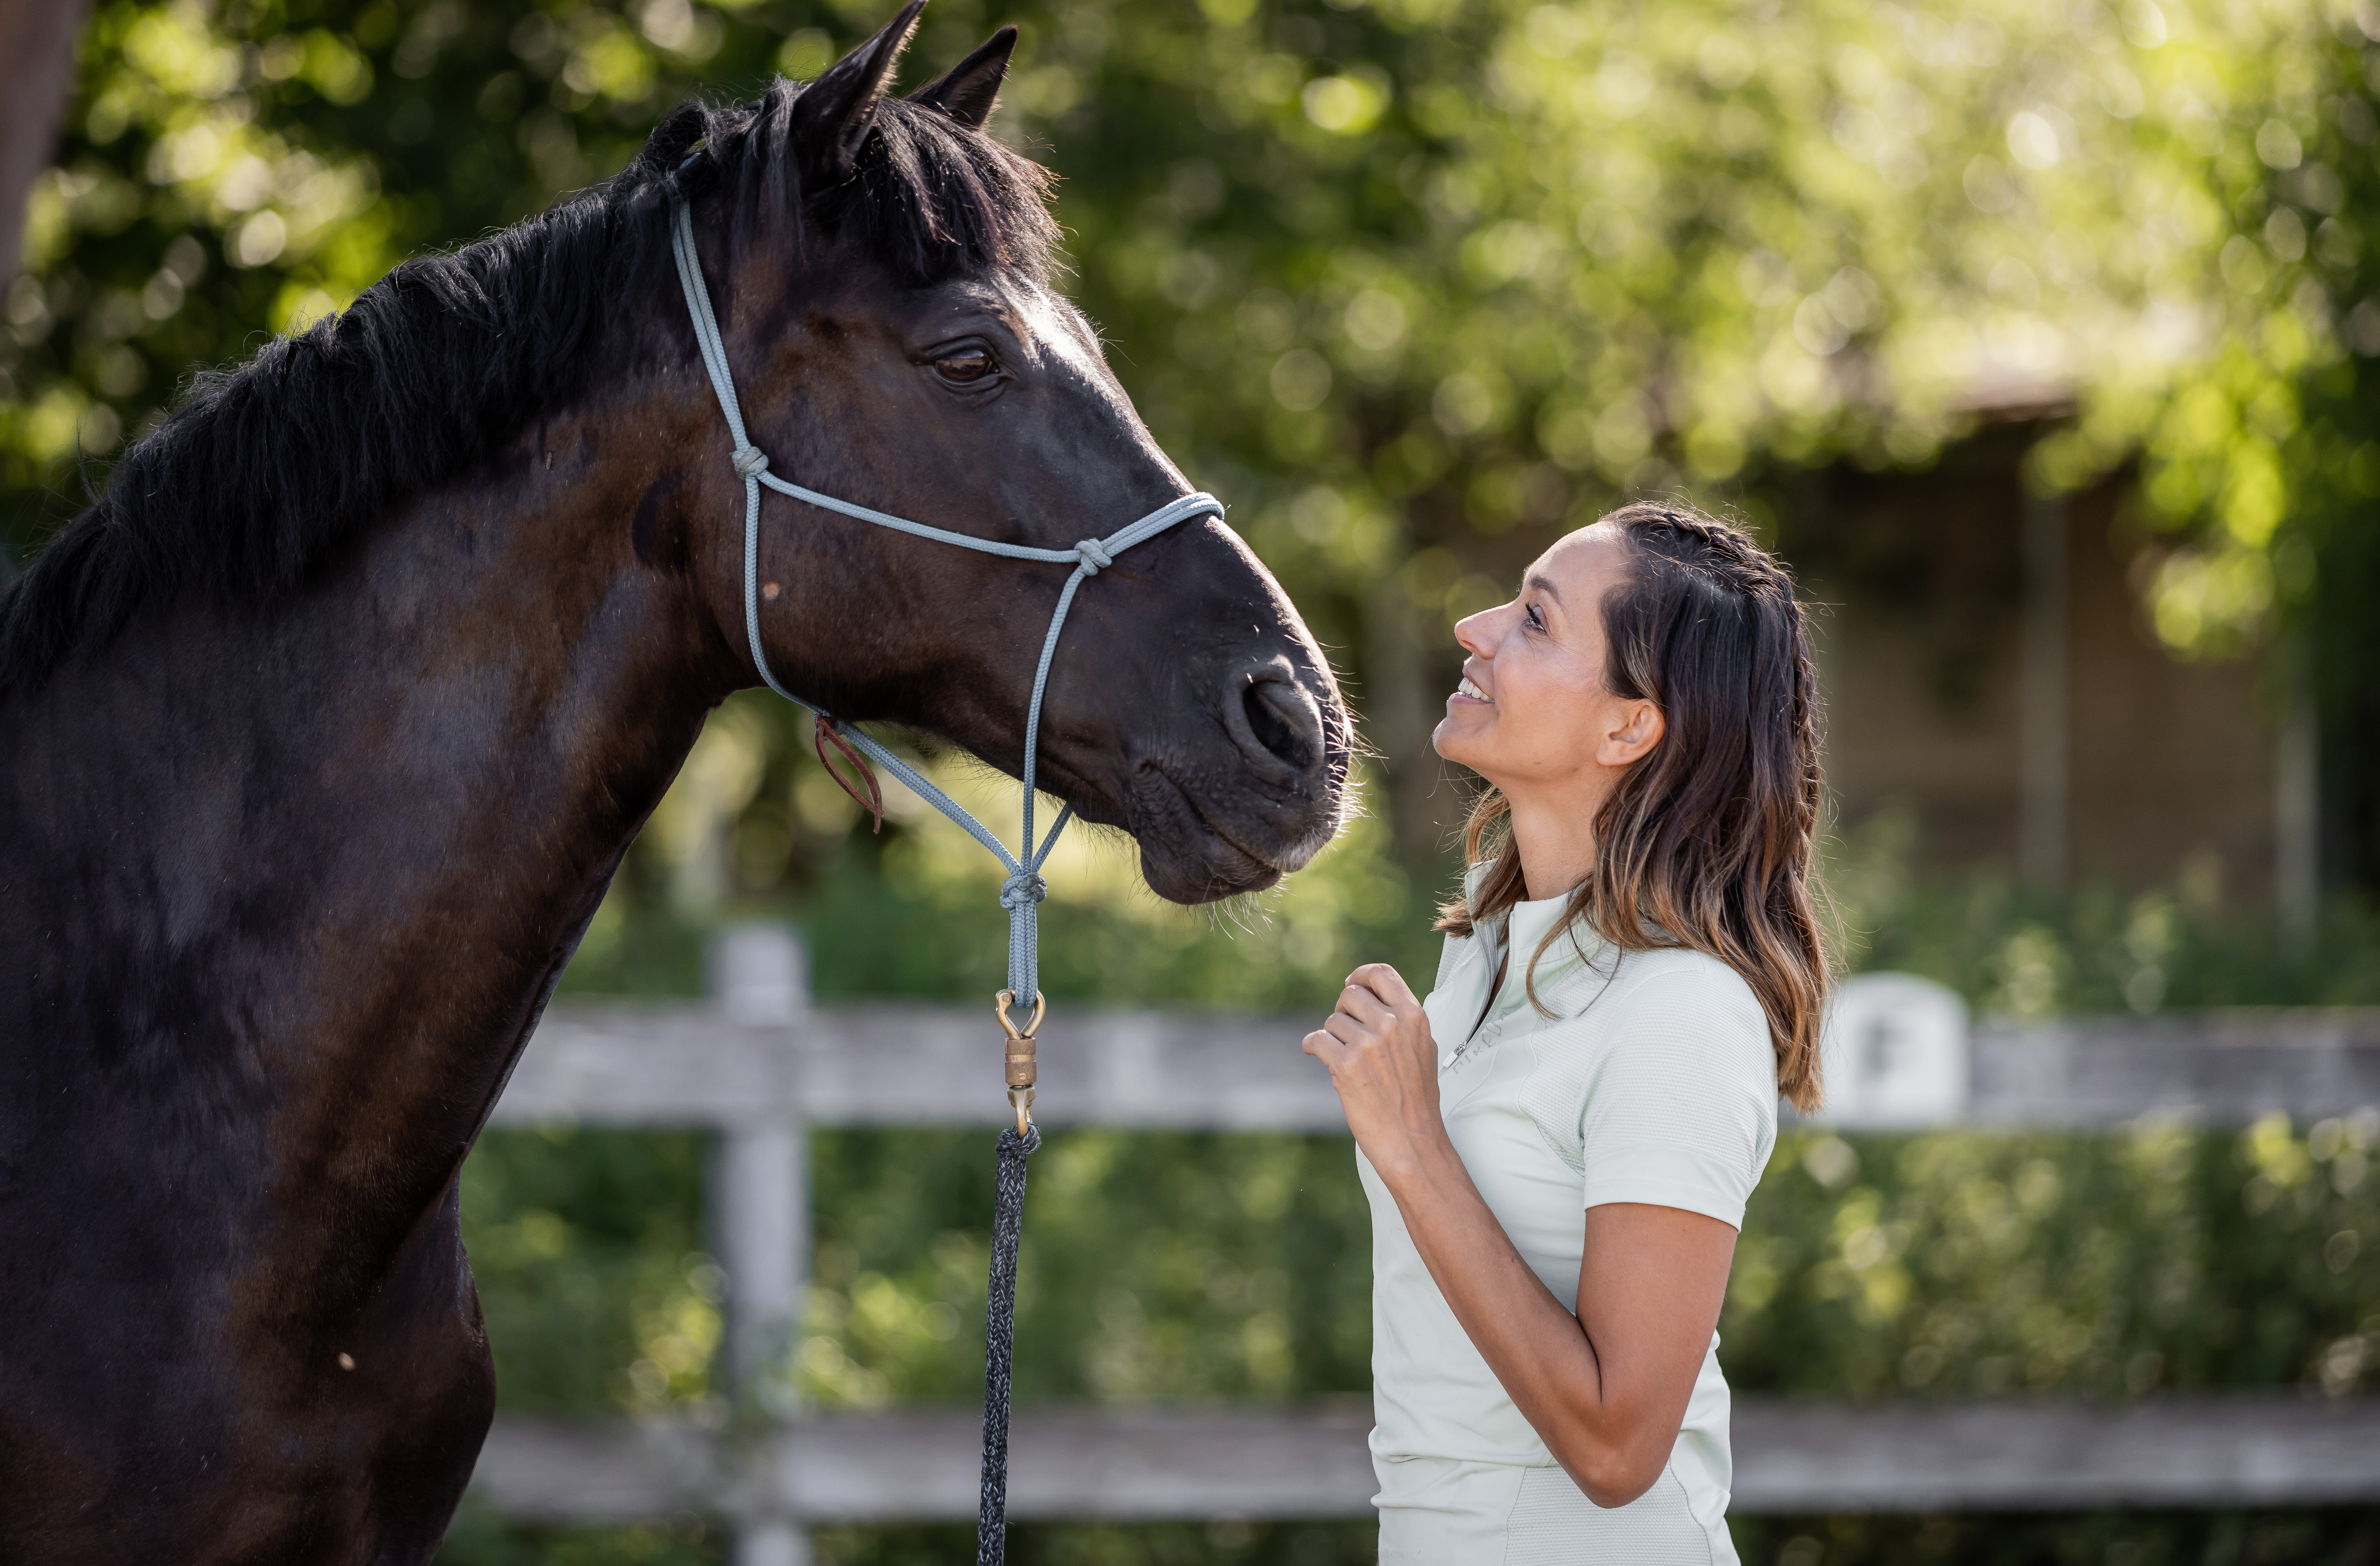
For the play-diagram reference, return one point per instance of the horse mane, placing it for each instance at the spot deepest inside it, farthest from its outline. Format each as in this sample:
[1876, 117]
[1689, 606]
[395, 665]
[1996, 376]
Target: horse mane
[263, 472]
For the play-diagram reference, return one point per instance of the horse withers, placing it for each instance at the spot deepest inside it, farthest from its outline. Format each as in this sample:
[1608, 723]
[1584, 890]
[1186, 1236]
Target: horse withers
[322, 731]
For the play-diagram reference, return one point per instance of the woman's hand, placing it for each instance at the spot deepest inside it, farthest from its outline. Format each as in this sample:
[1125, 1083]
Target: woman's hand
[1384, 1063]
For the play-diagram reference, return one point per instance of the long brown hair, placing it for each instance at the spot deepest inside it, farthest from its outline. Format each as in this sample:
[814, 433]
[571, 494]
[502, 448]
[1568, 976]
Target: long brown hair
[1706, 842]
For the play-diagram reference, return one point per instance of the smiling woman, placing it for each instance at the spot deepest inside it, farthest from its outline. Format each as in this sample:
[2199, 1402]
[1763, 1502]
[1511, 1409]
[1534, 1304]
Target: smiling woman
[1560, 1142]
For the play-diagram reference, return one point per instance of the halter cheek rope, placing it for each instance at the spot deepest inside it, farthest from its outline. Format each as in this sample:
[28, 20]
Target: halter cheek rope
[1021, 893]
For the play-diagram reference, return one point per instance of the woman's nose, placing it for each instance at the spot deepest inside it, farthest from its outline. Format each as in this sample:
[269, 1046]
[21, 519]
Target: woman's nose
[1475, 634]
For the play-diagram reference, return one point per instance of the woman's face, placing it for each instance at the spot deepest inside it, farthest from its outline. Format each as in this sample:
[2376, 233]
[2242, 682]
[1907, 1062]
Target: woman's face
[1532, 715]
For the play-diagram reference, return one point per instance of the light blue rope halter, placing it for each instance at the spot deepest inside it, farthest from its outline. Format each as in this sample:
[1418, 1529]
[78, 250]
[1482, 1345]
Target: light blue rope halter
[1022, 892]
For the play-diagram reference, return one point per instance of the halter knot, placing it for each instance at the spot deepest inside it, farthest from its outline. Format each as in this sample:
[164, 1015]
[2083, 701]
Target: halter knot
[750, 462]
[1022, 891]
[1093, 557]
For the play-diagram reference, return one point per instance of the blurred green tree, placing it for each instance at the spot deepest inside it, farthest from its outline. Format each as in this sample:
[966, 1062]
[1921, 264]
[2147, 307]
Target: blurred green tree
[1413, 284]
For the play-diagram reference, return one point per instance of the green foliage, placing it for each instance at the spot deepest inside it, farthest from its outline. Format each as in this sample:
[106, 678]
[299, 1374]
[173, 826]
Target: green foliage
[480, 1537]
[2104, 950]
[588, 1251]
[2262, 455]
[1972, 1264]
[1161, 1268]
[1161, 1543]
[2337, 1537]
[1234, 1267]
[1411, 283]
[1392, 276]
[911, 912]
[227, 170]
[2024, 954]
[1186, 1267]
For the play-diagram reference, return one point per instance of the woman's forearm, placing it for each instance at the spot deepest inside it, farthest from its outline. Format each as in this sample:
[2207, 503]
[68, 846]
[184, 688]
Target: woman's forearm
[1576, 1402]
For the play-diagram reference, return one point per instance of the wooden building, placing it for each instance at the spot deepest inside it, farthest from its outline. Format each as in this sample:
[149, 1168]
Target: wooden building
[1990, 666]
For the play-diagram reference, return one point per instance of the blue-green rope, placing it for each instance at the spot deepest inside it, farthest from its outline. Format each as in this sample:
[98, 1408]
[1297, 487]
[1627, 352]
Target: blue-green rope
[1022, 892]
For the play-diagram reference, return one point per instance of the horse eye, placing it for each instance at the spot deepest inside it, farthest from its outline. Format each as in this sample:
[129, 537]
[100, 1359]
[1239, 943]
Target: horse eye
[964, 367]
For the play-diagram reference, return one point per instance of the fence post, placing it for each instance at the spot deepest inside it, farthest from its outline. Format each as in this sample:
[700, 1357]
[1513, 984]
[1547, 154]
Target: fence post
[759, 976]
[2045, 678]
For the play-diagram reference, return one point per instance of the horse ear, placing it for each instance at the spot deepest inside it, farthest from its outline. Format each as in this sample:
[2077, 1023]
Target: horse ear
[967, 90]
[832, 114]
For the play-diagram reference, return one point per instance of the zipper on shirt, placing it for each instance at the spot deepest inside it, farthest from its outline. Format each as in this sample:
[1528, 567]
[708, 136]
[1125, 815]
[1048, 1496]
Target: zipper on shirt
[1495, 987]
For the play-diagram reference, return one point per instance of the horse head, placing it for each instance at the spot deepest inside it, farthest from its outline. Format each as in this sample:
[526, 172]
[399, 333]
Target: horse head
[882, 272]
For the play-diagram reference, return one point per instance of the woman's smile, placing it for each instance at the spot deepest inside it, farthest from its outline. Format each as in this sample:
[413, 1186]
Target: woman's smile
[1469, 691]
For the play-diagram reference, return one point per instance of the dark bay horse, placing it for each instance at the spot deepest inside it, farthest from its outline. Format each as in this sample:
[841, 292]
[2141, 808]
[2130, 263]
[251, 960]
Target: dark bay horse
[324, 730]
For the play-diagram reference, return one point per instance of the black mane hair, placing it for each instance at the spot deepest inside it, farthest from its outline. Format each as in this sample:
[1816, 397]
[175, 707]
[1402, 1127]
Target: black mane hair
[264, 471]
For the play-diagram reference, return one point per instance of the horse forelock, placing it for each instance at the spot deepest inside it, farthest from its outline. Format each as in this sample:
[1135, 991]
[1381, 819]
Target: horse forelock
[931, 198]
[263, 471]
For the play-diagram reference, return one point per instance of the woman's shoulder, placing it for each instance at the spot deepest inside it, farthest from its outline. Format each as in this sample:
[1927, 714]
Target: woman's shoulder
[1677, 974]
[1665, 1048]
[1667, 977]
[1667, 996]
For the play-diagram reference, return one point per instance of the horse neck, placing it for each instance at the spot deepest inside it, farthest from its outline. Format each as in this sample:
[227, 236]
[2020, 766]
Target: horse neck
[350, 839]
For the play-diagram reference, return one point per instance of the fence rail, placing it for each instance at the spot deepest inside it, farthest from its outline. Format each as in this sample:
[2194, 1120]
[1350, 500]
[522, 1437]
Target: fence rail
[923, 1065]
[758, 1066]
[2239, 1450]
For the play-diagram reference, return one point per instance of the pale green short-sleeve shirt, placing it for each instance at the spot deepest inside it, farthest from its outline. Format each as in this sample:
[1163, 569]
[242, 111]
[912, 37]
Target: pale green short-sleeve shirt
[1653, 1081]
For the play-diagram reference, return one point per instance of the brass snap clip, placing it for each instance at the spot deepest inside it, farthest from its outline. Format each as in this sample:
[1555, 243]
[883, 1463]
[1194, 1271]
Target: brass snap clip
[1020, 1053]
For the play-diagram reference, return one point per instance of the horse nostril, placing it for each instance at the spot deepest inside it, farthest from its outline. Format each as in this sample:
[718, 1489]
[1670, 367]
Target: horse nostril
[1283, 722]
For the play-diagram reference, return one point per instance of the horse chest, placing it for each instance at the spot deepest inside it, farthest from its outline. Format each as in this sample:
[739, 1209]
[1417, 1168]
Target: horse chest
[234, 1434]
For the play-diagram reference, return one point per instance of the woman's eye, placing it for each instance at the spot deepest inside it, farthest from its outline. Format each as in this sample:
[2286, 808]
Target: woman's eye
[1536, 621]
[964, 367]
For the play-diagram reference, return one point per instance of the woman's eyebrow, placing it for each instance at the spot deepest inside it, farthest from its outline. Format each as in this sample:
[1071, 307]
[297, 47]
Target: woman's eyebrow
[1544, 584]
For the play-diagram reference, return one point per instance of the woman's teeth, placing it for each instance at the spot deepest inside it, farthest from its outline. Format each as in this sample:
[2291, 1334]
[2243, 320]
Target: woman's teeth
[1474, 692]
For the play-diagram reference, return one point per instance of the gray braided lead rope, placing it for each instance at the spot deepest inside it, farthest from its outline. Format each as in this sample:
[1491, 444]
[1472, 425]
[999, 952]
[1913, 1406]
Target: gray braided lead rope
[999, 1343]
[1021, 892]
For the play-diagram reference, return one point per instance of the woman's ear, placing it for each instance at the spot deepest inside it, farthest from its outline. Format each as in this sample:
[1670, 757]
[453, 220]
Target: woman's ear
[1639, 728]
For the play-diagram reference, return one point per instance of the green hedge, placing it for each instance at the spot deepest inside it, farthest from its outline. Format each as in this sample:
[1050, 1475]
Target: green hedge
[1187, 1267]
[1234, 1268]
[2337, 1537]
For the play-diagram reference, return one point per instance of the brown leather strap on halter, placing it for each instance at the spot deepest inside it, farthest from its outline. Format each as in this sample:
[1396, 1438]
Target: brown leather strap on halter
[821, 733]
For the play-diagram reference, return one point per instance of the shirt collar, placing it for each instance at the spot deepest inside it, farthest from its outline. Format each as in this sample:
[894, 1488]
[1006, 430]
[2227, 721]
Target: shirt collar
[1521, 929]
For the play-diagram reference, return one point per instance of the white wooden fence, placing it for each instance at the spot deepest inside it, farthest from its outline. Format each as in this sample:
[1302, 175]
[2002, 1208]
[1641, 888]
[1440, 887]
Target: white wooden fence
[758, 1066]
